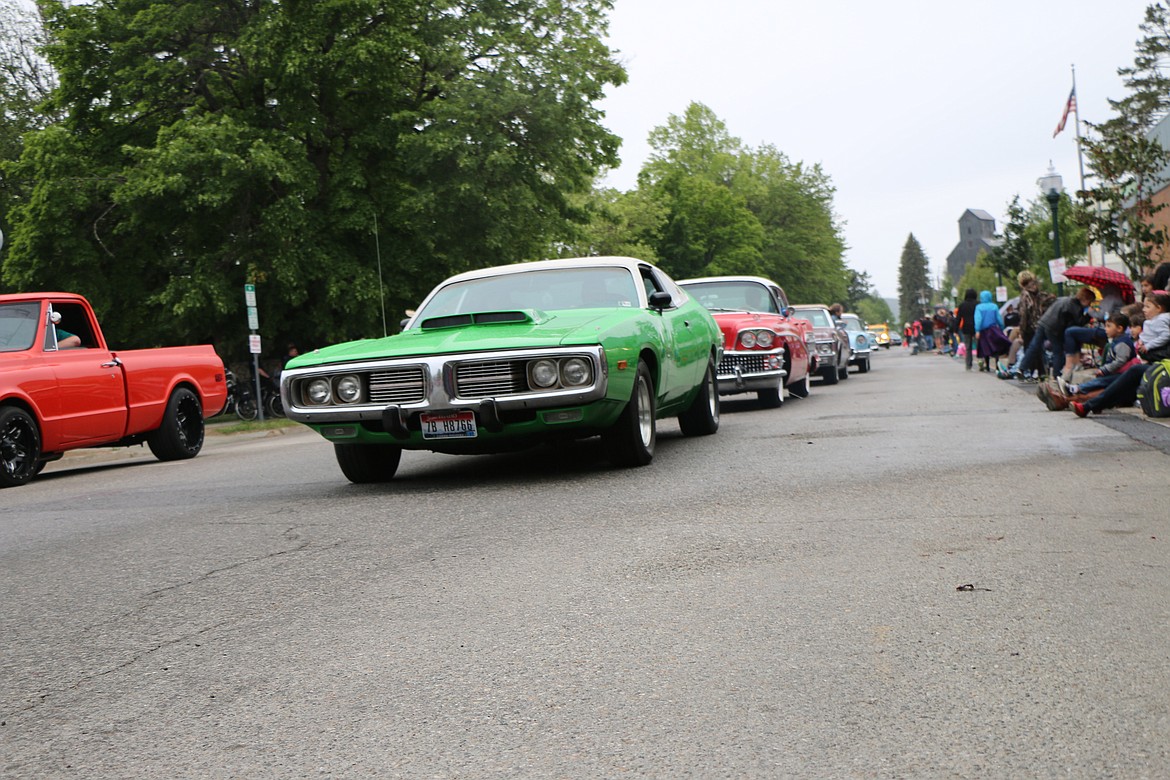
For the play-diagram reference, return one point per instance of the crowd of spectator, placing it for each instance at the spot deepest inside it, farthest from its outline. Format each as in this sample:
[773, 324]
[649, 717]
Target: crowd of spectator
[1088, 351]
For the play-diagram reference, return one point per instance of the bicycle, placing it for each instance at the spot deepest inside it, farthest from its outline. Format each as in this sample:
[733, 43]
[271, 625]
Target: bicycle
[239, 399]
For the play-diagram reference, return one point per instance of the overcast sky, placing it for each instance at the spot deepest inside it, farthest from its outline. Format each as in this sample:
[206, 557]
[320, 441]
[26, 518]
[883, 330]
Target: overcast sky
[916, 109]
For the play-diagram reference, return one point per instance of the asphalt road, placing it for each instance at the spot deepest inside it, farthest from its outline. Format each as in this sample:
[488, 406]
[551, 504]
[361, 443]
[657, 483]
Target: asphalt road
[920, 572]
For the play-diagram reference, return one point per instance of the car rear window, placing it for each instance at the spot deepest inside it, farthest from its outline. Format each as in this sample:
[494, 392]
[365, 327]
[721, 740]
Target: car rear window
[818, 317]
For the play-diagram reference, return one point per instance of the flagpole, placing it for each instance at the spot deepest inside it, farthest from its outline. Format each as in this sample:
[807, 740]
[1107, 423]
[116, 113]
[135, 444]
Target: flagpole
[1081, 160]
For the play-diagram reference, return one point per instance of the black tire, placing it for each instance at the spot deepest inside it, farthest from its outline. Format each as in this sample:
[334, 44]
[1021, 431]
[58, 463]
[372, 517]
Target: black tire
[630, 441]
[364, 464]
[181, 434]
[831, 375]
[273, 407]
[801, 389]
[772, 398]
[863, 367]
[20, 447]
[844, 372]
[702, 418]
[246, 408]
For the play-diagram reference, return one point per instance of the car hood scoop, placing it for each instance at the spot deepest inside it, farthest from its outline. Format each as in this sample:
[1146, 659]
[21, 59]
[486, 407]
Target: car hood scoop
[529, 316]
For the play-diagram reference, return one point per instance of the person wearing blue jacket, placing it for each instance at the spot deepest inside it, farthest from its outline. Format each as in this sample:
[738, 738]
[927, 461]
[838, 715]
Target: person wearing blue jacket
[989, 333]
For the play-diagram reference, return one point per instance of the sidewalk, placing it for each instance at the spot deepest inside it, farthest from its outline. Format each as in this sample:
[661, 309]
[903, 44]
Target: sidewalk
[1131, 411]
[1131, 421]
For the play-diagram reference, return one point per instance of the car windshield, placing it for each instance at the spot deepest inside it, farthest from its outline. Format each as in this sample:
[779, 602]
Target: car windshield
[18, 326]
[548, 289]
[818, 317]
[733, 296]
[851, 322]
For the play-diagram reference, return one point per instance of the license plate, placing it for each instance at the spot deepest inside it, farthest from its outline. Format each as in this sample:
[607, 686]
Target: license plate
[455, 425]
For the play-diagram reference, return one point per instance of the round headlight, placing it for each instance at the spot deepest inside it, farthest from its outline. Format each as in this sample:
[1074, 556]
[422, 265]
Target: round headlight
[764, 338]
[318, 392]
[349, 389]
[576, 372]
[861, 342]
[748, 339]
[543, 373]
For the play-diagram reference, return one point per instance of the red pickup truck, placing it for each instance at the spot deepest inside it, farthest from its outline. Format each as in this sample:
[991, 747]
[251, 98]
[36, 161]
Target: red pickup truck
[62, 388]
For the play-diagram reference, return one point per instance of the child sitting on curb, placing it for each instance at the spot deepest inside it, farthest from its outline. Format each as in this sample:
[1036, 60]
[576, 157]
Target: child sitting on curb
[1153, 345]
[1056, 400]
[1119, 354]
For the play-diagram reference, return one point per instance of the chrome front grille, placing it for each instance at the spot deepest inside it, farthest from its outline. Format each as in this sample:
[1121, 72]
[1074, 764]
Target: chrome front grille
[397, 385]
[750, 363]
[491, 378]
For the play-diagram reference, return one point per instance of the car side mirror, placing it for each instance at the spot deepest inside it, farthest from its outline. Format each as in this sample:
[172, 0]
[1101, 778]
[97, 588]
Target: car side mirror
[660, 300]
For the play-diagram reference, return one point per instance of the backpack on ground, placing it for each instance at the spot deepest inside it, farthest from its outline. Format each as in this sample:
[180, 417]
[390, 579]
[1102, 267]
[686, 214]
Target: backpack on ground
[1154, 391]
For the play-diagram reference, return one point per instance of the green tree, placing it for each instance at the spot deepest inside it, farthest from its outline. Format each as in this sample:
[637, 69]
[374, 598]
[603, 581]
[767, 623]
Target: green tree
[708, 228]
[803, 246]
[874, 310]
[1038, 235]
[736, 210]
[694, 145]
[858, 289]
[26, 81]
[206, 145]
[1119, 211]
[1015, 253]
[913, 280]
[623, 224]
[981, 275]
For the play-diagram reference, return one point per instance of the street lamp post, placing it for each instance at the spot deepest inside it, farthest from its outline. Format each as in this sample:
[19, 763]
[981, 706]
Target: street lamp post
[1052, 185]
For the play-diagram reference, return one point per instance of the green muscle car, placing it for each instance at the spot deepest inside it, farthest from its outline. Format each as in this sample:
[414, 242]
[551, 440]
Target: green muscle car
[508, 357]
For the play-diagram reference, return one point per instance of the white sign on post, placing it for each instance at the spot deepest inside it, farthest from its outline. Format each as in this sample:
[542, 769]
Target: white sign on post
[1056, 268]
[1001, 295]
[253, 319]
[250, 294]
[254, 344]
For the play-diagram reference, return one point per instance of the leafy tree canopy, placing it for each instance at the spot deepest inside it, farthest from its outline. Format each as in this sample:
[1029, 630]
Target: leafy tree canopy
[208, 144]
[619, 224]
[874, 310]
[731, 209]
[981, 275]
[26, 80]
[1119, 211]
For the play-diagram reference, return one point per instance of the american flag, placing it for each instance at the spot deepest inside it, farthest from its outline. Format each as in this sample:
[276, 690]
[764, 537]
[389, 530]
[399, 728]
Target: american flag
[1071, 105]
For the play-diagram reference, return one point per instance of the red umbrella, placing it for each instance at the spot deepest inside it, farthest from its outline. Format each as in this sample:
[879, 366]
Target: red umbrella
[1101, 277]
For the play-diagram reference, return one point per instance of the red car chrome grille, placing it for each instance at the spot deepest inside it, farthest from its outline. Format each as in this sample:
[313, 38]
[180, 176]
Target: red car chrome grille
[747, 363]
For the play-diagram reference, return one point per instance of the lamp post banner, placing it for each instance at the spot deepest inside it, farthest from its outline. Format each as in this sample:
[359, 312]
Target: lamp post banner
[1056, 268]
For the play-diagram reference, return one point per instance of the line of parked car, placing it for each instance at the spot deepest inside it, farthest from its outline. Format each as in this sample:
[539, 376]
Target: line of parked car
[495, 359]
[503, 358]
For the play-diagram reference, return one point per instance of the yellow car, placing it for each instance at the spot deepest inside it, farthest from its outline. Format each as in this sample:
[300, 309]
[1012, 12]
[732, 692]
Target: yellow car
[881, 333]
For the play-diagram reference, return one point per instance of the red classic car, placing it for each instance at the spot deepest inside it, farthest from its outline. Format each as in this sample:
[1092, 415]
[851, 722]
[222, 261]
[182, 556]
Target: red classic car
[62, 388]
[765, 349]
